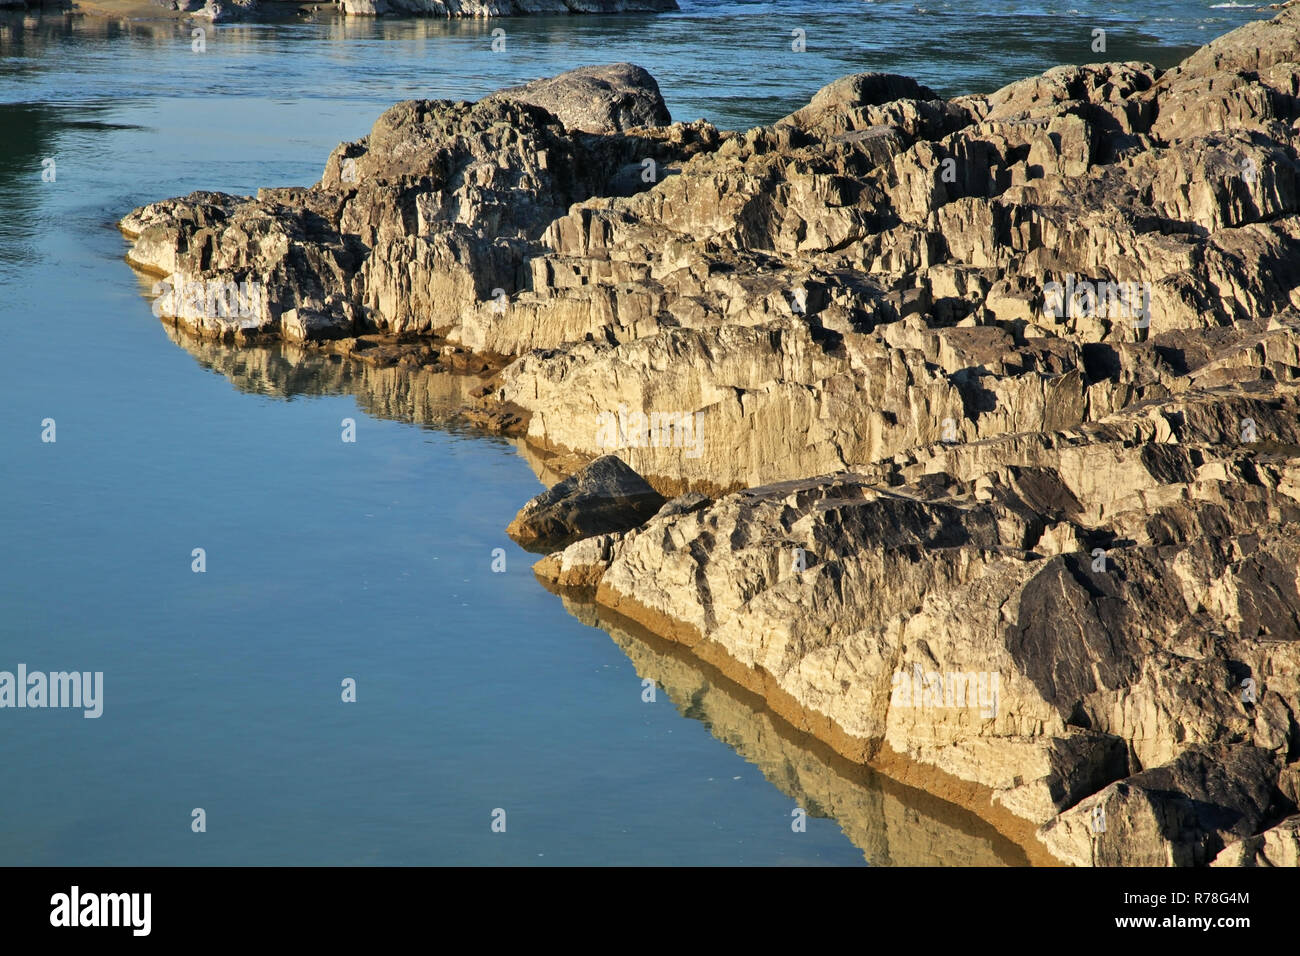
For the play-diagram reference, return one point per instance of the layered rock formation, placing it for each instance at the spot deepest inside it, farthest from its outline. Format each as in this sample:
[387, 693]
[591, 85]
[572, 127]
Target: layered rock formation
[1039, 351]
[427, 224]
[892, 823]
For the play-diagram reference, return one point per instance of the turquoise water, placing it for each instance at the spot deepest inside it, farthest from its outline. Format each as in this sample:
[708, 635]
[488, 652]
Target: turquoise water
[372, 560]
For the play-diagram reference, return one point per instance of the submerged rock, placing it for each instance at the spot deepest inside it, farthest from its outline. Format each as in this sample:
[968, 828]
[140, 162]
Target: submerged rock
[604, 496]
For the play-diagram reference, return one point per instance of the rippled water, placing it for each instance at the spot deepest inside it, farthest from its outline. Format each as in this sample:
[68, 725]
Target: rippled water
[325, 560]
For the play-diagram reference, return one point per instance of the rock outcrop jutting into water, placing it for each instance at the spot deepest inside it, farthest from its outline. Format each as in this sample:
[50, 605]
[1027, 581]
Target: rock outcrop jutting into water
[995, 400]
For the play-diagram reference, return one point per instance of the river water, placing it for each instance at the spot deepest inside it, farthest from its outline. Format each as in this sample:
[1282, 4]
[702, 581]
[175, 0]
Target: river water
[476, 690]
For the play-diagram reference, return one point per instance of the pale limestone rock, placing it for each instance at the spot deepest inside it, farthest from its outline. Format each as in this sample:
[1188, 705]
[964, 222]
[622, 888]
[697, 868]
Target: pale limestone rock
[1093, 497]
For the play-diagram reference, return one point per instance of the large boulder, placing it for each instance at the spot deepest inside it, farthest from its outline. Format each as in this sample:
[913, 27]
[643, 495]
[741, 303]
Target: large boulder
[597, 99]
[603, 497]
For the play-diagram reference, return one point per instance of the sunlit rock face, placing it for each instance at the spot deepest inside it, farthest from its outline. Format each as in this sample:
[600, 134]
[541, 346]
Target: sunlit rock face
[893, 824]
[426, 224]
[995, 400]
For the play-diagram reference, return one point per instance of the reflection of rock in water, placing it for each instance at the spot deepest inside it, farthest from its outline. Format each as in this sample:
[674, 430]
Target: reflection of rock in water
[284, 371]
[396, 392]
[893, 824]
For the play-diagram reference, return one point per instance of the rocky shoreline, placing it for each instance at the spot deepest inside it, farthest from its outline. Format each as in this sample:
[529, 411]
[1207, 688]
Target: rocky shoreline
[977, 420]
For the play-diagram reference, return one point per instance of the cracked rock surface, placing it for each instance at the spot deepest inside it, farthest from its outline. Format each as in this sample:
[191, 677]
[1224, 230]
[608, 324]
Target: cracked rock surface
[989, 407]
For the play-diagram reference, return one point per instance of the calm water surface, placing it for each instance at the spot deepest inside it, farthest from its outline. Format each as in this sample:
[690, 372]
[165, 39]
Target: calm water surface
[476, 690]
